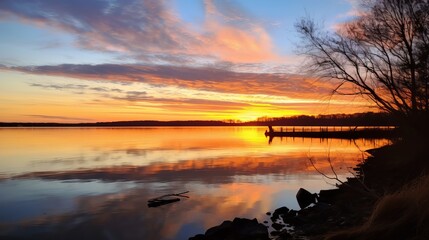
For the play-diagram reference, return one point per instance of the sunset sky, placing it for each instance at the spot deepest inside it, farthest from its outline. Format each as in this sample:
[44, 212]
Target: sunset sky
[113, 60]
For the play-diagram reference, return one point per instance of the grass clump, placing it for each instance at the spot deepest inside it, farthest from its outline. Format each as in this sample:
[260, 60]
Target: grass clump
[400, 215]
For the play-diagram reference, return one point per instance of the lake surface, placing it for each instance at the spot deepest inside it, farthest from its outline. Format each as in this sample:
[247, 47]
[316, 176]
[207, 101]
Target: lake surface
[94, 183]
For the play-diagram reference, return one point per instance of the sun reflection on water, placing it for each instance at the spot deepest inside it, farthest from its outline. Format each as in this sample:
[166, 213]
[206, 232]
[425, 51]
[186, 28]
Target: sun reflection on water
[230, 172]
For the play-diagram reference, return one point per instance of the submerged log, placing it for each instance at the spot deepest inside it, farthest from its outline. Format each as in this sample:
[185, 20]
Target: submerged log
[160, 202]
[166, 199]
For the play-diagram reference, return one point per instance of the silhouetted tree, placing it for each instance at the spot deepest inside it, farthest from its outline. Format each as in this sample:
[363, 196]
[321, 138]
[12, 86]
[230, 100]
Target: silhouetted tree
[383, 55]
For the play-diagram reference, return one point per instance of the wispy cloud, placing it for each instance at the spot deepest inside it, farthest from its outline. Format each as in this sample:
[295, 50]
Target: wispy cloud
[149, 30]
[209, 79]
[356, 11]
[56, 118]
[73, 87]
[60, 86]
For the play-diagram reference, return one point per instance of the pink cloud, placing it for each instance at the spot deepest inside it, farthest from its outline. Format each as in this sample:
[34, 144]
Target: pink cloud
[209, 79]
[234, 37]
[234, 45]
[141, 29]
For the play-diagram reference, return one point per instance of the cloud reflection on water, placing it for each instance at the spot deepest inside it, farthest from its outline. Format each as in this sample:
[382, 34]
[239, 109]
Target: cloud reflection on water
[124, 215]
[211, 171]
[230, 172]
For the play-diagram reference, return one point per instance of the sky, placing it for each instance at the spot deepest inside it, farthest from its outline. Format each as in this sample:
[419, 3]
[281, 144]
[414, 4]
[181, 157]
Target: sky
[116, 60]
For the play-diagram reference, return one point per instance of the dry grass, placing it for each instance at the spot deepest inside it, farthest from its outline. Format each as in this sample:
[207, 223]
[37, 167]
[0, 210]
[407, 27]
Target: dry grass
[402, 215]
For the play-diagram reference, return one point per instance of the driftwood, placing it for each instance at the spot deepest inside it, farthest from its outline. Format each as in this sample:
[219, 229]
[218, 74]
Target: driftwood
[166, 199]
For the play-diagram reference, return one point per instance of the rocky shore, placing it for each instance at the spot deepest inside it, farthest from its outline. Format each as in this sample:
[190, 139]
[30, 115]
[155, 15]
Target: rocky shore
[357, 208]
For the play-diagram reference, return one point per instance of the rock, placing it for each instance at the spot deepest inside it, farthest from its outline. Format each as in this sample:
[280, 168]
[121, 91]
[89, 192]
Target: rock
[249, 229]
[305, 198]
[198, 237]
[277, 226]
[328, 196]
[282, 210]
[317, 219]
[284, 234]
[220, 231]
[268, 213]
[289, 217]
[278, 212]
[238, 229]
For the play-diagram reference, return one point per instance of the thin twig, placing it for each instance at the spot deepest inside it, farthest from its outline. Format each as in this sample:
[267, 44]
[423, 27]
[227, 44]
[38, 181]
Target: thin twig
[323, 174]
[169, 195]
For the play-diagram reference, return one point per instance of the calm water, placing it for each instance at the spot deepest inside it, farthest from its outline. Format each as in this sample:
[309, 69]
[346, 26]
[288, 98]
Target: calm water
[94, 183]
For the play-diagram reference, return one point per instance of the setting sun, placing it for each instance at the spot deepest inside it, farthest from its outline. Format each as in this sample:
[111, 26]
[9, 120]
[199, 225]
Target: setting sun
[255, 112]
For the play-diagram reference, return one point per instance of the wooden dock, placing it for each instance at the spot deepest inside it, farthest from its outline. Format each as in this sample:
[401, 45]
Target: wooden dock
[335, 132]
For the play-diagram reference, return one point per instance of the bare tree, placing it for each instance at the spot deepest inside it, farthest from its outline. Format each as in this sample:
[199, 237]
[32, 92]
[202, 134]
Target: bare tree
[383, 55]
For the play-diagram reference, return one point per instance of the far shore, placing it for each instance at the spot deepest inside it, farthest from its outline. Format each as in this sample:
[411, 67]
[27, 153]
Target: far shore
[357, 119]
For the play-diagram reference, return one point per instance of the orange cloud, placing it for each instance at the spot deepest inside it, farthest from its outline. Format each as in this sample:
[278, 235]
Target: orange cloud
[236, 45]
[148, 30]
[232, 37]
[209, 79]
[191, 93]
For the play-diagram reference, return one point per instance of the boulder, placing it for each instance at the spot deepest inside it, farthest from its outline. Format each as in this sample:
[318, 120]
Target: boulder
[279, 212]
[305, 198]
[284, 234]
[238, 229]
[198, 237]
[277, 226]
[290, 216]
[328, 196]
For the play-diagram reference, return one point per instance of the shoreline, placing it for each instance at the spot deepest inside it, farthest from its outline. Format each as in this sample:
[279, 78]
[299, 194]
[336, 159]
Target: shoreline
[348, 212]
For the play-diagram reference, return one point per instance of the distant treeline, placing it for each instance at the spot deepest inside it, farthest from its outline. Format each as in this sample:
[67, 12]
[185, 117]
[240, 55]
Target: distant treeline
[357, 119]
[148, 123]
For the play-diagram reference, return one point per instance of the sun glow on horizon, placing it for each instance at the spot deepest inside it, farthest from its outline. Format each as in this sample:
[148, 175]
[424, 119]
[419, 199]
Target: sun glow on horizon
[225, 65]
[256, 112]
